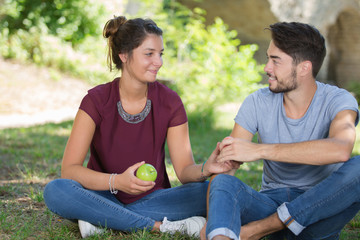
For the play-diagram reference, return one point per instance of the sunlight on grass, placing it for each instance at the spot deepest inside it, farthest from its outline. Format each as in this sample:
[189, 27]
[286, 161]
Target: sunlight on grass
[171, 173]
[30, 173]
[356, 149]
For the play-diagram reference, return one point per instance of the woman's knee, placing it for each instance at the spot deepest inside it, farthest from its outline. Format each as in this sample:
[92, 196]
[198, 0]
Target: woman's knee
[51, 188]
[58, 185]
[198, 188]
[56, 190]
[202, 186]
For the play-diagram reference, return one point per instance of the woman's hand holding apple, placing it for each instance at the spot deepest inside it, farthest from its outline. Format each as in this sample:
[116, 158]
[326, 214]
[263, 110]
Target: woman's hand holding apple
[127, 181]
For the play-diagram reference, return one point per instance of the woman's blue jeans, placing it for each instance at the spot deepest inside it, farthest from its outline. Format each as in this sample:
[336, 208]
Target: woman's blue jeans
[70, 200]
[318, 213]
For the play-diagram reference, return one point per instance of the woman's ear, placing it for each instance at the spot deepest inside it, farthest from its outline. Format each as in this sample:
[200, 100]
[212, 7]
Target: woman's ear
[123, 57]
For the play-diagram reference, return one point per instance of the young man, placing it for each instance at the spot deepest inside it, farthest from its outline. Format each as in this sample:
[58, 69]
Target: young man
[306, 130]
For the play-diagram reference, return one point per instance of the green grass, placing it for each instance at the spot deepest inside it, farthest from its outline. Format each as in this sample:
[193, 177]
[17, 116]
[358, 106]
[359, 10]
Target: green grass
[30, 157]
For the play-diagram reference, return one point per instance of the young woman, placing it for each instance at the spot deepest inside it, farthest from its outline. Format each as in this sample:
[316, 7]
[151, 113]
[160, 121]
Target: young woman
[125, 123]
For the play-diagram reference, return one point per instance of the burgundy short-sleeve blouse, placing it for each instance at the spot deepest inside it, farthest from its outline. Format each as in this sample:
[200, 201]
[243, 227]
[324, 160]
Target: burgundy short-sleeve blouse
[117, 144]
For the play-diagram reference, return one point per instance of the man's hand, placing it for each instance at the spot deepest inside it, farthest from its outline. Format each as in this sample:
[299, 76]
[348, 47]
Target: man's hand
[212, 166]
[239, 150]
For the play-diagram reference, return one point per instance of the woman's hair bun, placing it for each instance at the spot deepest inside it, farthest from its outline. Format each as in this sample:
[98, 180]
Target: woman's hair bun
[113, 25]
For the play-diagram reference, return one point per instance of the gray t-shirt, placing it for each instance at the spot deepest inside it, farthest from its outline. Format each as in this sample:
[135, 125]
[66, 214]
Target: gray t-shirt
[263, 112]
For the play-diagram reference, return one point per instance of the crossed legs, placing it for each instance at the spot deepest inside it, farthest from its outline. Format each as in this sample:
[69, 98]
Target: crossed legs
[333, 202]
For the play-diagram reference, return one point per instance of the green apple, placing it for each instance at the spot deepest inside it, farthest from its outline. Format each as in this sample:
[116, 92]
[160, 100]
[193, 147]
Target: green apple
[146, 172]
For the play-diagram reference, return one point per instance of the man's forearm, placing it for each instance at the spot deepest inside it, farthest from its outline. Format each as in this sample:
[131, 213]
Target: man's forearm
[317, 152]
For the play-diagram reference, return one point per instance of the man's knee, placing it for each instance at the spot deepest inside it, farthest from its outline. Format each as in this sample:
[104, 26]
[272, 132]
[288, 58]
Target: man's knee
[226, 182]
[354, 161]
[350, 168]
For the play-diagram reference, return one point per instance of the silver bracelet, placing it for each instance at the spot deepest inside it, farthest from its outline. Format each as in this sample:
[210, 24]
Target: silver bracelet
[112, 183]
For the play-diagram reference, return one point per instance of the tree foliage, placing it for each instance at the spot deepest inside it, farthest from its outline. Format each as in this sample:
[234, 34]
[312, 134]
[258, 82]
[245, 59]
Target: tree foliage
[71, 20]
[63, 34]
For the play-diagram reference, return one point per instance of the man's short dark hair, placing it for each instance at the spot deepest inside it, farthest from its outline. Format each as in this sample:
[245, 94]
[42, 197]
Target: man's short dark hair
[301, 41]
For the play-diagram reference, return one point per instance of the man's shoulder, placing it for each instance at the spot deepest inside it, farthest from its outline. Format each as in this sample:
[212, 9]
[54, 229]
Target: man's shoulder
[263, 91]
[262, 101]
[333, 94]
[328, 89]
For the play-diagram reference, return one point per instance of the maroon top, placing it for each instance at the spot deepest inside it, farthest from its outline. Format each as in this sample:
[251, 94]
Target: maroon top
[117, 144]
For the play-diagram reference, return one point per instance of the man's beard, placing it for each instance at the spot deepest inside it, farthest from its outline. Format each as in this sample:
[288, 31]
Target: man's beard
[291, 85]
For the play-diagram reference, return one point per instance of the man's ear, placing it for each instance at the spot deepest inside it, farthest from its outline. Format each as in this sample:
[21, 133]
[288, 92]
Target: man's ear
[305, 68]
[123, 57]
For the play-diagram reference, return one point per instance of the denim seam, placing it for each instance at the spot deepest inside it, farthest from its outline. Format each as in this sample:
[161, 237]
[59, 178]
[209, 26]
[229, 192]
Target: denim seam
[288, 220]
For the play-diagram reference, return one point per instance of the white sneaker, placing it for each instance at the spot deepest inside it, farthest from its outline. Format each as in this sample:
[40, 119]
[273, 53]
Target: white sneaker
[87, 229]
[191, 226]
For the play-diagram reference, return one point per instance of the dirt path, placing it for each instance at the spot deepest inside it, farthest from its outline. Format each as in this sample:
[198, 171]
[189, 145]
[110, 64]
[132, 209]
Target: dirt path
[31, 95]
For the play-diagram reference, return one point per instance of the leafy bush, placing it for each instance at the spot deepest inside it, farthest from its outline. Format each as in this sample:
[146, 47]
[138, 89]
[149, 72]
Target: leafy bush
[354, 88]
[33, 31]
[70, 20]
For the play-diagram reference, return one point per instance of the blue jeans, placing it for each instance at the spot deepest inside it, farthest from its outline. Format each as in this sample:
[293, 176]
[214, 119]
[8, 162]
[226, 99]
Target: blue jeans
[318, 213]
[70, 200]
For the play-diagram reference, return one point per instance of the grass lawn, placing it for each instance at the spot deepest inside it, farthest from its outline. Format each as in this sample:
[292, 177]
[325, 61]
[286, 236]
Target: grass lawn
[30, 157]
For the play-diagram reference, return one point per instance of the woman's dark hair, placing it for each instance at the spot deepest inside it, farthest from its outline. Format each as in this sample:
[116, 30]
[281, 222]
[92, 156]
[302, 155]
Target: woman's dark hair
[300, 41]
[125, 35]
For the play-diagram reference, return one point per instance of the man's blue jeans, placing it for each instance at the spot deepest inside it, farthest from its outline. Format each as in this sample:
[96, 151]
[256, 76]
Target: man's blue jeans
[70, 200]
[318, 213]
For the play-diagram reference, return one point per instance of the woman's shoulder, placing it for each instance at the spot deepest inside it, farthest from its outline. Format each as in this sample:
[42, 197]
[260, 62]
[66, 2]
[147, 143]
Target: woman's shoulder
[103, 92]
[104, 88]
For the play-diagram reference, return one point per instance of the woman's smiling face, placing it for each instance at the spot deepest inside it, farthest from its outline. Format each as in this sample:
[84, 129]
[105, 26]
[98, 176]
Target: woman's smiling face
[145, 60]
